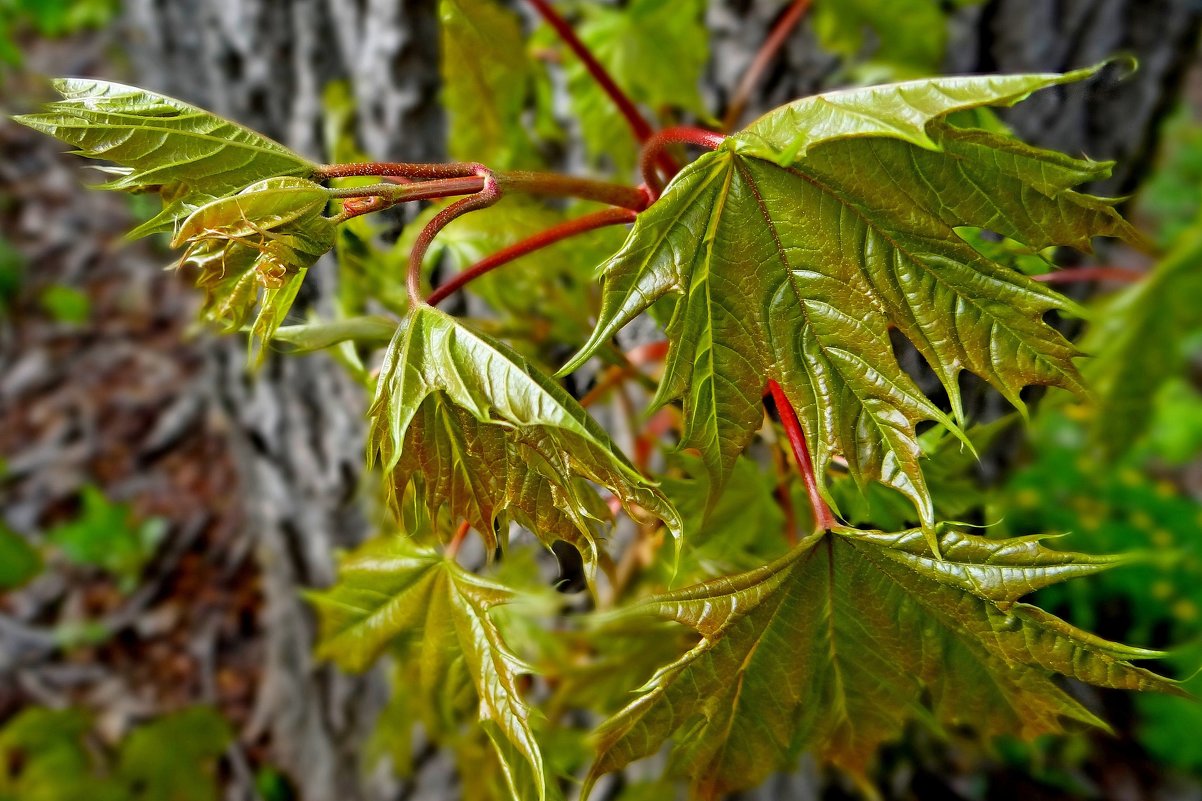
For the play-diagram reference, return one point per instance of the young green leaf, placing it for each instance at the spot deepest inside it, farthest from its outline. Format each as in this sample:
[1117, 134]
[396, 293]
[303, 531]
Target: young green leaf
[1138, 343]
[486, 75]
[393, 588]
[797, 244]
[19, 560]
[161, 144]
[266, 236]
[43, 756]
[483, 433]
[910, 35]
[834, 646]
[174, 757]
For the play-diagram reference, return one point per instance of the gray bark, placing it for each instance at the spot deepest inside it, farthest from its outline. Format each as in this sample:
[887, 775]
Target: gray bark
[265, 63]
[298, 424]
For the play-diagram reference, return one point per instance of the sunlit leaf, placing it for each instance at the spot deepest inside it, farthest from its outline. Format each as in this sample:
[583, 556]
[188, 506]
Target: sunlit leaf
[393, 588]
[486, 78]
[483, 433]
[909, 35]
[263, 238]
[796, 245]
[655, 51]
[161, 144]
[840, 643]
[1137, 343]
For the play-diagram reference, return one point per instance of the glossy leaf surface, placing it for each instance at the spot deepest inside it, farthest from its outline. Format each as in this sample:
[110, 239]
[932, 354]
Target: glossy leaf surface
[391, 588]
[263, 238]
[799, 243]
[158, 143]
[486, 435]
[834, 647]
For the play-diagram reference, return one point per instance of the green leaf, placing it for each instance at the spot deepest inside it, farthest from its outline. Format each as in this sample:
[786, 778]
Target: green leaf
[20, 563]
[835, 646]
[480, 431]
[43, 757]
[265, 237]
[66, 304]
[106, 535]
[161, 144]
[741, 530]
[908, 34]
[797, 244]
[174, 758]
[486, 76]
[1138, 343]
[393, 588]
[655, 51]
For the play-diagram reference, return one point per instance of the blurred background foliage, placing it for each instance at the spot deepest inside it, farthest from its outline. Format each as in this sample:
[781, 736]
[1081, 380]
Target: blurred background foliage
[1123, 474]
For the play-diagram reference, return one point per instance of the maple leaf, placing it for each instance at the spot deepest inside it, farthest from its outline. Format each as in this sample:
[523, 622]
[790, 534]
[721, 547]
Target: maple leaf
[392, 588]
[800, 241]
[158, 143]
[479, 431]
[265, 237]
[834, 646]
[486, 75]
[1137, 344]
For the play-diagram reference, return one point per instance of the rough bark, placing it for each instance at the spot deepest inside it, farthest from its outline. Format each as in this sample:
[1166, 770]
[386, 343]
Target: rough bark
[298, 424]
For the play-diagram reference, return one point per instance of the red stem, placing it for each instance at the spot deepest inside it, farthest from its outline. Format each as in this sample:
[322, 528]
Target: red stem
[487, 196]
[772, 45]
[452, 549]
[1122, 274]
[558, 185]
[654, 148]
[413, 171]
[824, 520]
[540, 240]
[638, 124]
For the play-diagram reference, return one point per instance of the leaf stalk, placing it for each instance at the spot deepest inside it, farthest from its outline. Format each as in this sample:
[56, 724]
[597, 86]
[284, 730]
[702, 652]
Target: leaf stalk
[655, 148]
[558, 233]
[824, 519]
[489, 194]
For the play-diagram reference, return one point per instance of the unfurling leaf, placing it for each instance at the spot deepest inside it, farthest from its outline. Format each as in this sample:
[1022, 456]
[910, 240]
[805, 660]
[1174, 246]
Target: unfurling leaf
[483, 433]
[835, 646]
[267, 237]
[798, 243]
[188, 155]
[391, 588]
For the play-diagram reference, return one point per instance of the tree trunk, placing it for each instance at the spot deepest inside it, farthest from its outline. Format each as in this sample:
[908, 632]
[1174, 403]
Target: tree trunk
[266, 63]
